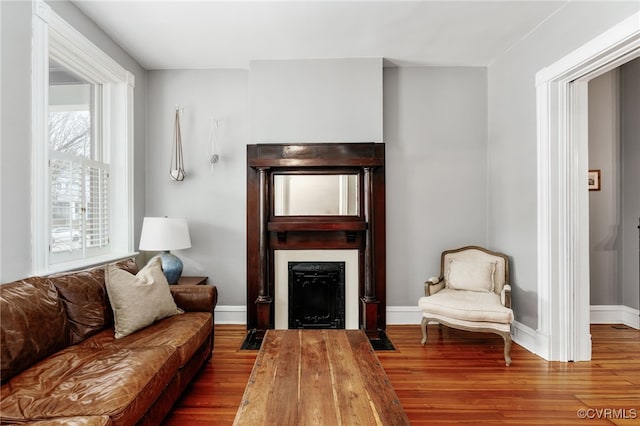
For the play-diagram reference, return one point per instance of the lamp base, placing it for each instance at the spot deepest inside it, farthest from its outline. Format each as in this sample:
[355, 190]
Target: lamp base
[171, 266]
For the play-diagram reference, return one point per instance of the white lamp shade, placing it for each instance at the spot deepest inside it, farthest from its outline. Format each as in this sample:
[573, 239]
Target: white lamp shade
[164, 234]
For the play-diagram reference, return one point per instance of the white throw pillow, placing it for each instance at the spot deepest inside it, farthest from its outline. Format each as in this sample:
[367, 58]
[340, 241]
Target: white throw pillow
[139, 300]
[468, 275]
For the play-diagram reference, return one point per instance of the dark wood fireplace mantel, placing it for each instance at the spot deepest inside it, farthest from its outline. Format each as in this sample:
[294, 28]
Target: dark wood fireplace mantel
[364, 231]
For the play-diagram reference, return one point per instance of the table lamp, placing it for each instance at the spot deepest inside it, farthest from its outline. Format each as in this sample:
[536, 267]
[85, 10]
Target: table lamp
[165, 234]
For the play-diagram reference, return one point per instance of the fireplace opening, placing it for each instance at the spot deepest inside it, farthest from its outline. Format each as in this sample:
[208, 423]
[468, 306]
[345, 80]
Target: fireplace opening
[316, 295]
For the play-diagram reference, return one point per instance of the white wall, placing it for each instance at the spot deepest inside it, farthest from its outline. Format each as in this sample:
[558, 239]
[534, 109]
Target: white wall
[512, 136]
[213, 202]
[604, 205]
[1, 118]
[435, 134]
[435, 121]
[15, 182]
[316, 100]
[15, 228]
[630, 176]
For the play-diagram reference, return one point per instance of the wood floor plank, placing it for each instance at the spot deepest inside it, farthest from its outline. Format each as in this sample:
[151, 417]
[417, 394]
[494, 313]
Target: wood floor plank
[341, 362]
[456, 377]
[315, 379]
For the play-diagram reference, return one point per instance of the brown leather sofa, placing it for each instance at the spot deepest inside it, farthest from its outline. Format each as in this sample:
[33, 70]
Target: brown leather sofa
[61, 364]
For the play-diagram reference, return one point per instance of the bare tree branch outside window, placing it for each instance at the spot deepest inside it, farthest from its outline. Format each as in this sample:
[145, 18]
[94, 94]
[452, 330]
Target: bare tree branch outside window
[70, 132]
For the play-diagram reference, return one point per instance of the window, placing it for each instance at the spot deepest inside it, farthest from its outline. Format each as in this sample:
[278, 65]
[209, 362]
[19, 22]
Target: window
[78, 176]
[82, 103]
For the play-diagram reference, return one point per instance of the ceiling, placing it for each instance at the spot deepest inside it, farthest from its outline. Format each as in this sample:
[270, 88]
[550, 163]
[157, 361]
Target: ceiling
[229, 34]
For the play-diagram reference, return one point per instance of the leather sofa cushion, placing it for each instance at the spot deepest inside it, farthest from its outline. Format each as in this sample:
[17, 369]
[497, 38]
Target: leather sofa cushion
[128, 265]
[75, 421]
[85, 299]
[191, 297]
[78, 381]
[186, 333]
[24, 307]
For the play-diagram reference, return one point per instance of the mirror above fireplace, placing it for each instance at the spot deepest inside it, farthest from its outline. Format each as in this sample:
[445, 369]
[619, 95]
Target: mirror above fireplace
[315, 194]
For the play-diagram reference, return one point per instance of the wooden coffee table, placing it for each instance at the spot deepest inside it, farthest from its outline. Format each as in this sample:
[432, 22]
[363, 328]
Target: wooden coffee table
[321, 377]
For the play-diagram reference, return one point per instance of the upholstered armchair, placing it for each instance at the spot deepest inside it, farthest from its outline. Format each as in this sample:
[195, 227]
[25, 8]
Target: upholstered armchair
[472, 293]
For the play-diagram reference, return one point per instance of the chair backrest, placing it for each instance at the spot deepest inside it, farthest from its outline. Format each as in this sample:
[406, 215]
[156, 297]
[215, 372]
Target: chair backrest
[478, 254]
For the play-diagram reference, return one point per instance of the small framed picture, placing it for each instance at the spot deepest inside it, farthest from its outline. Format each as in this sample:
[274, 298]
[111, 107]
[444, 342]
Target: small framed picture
[594, 180]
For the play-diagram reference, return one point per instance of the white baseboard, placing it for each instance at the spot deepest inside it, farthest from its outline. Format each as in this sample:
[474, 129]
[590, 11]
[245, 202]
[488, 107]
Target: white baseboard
[401, 315]
[237, 314]
[396, 315]
[615, 314]
[526, 337]
[231, 314]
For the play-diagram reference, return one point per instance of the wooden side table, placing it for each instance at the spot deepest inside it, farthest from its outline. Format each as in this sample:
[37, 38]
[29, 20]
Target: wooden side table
[192, 280]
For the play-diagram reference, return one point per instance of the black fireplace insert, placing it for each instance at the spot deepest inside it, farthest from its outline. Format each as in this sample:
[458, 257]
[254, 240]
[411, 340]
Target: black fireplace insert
[316, 295]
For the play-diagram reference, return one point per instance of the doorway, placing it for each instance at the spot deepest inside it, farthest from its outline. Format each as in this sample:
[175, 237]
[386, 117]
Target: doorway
[614, 200]
[563, 205]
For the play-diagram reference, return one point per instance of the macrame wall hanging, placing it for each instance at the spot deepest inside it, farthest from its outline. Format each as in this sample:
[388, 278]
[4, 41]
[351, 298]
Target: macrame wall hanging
[176, 169]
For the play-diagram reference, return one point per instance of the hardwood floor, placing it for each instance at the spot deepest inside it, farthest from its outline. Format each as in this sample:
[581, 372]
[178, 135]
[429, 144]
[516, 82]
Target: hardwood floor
[457, 377]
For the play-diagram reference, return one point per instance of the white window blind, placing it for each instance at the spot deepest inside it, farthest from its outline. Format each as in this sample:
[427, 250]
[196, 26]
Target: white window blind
[97, 210]
[79, 206]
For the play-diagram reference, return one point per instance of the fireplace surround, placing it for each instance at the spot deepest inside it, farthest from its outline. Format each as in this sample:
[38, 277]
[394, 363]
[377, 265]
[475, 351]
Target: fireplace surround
[360, 229]
[282, 260]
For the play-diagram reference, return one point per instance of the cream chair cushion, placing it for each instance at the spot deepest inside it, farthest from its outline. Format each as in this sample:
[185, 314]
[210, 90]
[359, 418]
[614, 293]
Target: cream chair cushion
[476, 254]
[471, 275]
[467, 306]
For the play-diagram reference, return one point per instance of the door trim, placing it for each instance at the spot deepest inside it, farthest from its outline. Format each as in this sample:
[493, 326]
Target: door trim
[562, 208]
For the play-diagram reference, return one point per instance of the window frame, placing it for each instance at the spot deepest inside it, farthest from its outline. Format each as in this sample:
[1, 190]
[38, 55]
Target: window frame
[53, 37]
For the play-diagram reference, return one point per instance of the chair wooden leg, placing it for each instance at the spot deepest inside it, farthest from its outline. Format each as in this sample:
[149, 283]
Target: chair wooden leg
[423, 326]
[507, 348]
